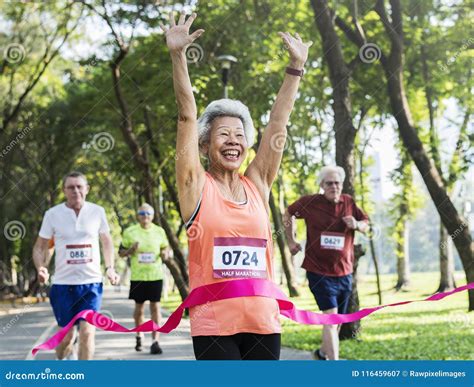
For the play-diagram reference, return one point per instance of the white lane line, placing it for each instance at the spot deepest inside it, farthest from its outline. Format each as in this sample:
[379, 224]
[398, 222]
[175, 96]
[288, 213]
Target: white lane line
[41, 339]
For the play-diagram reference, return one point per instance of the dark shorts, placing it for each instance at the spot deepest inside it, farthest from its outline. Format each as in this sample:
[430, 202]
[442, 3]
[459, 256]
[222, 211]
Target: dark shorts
[331, 292]
[69, 300]
[241, 346]
[142, 291]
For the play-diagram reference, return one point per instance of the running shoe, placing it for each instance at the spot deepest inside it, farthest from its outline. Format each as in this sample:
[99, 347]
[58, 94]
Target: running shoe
[317, 355]
[155, 349]
[138, 346]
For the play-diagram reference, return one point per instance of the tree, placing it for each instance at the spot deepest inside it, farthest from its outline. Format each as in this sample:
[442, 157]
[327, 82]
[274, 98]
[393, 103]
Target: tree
[138, 151]
[34, 36]
[436, 84]
[393, 67]
[344, 129]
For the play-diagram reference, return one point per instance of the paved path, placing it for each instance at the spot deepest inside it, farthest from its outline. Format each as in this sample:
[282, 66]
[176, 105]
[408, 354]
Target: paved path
[27, 325]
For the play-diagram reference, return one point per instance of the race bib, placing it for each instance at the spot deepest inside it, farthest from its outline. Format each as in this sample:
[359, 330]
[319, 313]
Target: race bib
[146, 257]
[78, 254]
[237, 257]
[332, 241]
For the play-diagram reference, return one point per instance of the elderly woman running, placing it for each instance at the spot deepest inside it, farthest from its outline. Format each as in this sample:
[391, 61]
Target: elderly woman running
[226, 213]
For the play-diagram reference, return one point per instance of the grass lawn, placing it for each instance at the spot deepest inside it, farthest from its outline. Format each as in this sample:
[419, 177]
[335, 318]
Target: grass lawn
[440, 330]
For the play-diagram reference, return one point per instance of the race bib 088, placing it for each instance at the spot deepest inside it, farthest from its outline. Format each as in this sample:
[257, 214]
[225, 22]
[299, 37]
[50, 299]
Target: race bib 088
[78, 254]
[239, 257]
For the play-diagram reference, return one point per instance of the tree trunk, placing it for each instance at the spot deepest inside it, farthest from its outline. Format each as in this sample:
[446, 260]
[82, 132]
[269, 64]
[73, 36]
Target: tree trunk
[446, 257]
[376, 265]
[285, 256]
[456, 225]
[371, 229]
[446, 261]
[351, 330]
[344, 130]
[339, 74]
[403, 257]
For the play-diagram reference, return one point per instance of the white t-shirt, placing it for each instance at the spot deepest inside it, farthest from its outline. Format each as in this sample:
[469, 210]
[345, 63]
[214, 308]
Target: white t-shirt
[76, 240]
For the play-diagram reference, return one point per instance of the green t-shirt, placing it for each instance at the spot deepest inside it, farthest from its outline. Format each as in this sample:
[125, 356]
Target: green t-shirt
[146, 262]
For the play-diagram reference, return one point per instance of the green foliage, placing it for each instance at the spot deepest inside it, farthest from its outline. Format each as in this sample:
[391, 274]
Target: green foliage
[73, 103]
[439, 330]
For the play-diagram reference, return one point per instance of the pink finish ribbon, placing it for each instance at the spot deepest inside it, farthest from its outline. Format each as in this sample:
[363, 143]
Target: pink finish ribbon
[225, 290]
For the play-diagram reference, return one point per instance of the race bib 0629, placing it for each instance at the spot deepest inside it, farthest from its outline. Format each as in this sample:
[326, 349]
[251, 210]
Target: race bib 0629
[332, 241]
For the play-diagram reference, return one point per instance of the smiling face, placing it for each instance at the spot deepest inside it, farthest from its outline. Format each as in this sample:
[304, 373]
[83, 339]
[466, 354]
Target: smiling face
[76, 190]
[227, 147]
[332, 187]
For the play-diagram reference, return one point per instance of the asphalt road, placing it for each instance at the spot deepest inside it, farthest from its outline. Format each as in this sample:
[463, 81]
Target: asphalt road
[24, 326]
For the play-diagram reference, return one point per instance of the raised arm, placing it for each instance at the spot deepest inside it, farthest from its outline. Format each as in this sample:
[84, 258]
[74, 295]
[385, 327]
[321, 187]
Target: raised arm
[190, 174]
[263, 169]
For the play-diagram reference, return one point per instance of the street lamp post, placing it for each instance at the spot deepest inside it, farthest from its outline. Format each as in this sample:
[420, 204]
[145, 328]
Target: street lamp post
[226, 64]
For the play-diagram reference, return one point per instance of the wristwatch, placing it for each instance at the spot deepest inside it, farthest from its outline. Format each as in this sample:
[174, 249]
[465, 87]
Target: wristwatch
[292, 71]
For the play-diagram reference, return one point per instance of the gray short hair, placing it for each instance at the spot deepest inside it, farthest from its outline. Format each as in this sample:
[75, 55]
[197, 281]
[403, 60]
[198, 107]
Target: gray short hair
[225, 108]
[146, 207]
[330, 169]
[74, 174]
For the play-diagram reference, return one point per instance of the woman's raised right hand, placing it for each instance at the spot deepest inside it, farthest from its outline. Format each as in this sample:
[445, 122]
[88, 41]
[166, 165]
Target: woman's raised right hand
[177, 35]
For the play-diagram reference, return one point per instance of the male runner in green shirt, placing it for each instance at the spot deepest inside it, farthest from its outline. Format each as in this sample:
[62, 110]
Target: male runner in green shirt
[145, 243]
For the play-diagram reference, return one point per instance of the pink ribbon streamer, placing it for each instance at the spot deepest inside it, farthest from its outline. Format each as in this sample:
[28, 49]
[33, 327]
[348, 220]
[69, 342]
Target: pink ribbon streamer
[225, 290]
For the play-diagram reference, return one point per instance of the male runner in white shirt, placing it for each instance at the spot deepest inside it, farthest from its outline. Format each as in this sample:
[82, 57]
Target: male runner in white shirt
[76, 226]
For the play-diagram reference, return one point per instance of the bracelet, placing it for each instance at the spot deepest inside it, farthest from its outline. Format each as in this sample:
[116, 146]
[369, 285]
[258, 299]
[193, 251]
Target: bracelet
[292, 71]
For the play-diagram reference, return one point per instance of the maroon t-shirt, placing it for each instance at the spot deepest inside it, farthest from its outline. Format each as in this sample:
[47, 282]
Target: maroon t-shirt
[329, 242]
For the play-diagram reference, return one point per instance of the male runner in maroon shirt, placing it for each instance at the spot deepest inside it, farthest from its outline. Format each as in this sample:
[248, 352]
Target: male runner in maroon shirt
[331, 219]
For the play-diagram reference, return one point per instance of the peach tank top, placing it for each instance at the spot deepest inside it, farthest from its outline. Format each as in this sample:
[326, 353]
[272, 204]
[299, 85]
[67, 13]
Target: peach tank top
[230, 241]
